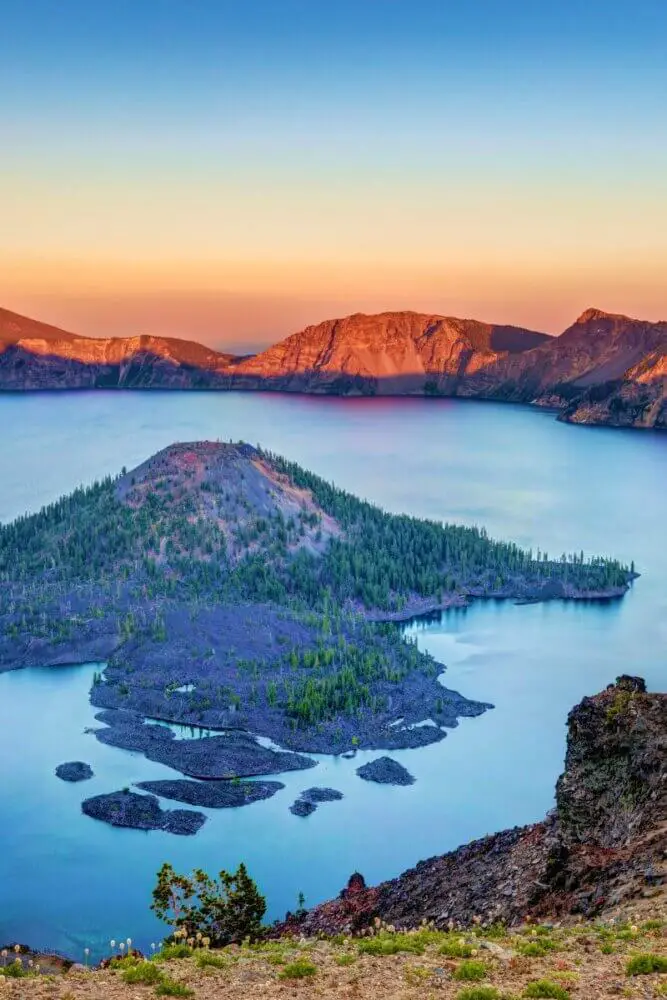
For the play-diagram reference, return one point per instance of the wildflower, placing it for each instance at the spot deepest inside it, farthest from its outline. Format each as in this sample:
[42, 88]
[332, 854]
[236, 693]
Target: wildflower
[17, 948]
[199, 935]
[112, 943]
[129, 943]
[122, 946]
[152, 945]
[206, 942]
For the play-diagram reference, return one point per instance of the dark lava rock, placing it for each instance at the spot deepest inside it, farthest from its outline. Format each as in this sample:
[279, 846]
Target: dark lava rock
[385, 771]
[141, 812]
[212, 794]
[74, 770]
[302, 807]
[316, 795]
[232, 754]
[309, 800]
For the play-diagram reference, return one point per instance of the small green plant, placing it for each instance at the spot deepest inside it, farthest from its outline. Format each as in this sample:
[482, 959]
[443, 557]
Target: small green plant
[479, 993]
[15, 970]
[470, 971]
[546, 988]
[645, 964]
[170, 951]
[607, 948]
[455, 948]
[275, 958]
[392, 944]
[170, 988]
[206, 959]
[143, 972]
[347, 959]
[653, 925]
[301, 969]
[537, 948]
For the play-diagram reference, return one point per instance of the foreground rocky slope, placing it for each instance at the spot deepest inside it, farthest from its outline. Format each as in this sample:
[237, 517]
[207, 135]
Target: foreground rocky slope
[601, 851]
[605, 368]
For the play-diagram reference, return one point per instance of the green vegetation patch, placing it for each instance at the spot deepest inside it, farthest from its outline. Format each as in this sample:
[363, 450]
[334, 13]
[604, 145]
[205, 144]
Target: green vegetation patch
[303, 968]
[645, 964]
[471, 971]
[546, 988]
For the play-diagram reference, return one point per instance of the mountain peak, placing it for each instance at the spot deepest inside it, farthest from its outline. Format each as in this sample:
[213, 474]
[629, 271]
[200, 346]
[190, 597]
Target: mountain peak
[591, 315]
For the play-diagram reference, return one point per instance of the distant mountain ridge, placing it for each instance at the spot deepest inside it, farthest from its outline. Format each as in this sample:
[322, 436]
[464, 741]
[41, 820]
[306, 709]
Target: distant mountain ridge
[605, 368]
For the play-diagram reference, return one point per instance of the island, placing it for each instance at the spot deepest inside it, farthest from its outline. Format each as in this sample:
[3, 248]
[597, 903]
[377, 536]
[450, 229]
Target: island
[74, 770]
[223, 587]
[141, 812]
[385, 771]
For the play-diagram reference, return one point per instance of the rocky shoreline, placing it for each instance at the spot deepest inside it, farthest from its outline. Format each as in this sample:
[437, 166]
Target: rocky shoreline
[589, 857]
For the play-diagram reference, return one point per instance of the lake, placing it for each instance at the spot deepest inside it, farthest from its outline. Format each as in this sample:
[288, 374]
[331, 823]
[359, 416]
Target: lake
[69, 882]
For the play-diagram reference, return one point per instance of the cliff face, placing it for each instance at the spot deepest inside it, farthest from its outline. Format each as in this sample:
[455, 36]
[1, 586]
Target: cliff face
[603, 845]
[388, 353]
[38, 356]
[605, 368]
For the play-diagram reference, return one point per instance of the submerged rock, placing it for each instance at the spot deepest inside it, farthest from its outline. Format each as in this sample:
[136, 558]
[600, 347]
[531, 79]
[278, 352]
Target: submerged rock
[385, 771]
[141, 812]
[74, 770]
[212, 794]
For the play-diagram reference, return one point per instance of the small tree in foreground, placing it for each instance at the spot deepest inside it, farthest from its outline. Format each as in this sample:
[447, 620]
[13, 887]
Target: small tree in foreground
[224, 911]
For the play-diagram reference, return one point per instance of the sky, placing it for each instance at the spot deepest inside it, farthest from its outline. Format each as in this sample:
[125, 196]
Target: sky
[230, 172]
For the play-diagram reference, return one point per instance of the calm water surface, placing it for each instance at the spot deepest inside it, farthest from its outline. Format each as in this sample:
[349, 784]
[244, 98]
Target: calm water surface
[69, 882]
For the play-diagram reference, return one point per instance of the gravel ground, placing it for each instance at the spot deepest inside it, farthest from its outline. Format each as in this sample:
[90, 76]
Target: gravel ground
[588, 961]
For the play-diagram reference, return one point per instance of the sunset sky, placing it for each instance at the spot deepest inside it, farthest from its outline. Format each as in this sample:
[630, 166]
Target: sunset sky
[231, 171]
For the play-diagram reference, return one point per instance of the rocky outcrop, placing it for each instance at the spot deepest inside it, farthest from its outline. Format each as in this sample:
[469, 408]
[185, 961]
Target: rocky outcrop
[604, 844]
[385, 771]
[390, 353]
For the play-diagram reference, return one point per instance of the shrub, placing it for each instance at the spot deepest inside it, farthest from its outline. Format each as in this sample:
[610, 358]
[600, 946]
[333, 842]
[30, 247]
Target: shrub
[143, 972]
[15, 970]
[301, 969]
[225, 910]
[546, 988]
[470, 971]
[170, 988]
[644, 965]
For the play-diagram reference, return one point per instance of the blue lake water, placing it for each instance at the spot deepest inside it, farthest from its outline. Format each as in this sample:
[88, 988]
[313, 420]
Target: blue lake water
[69, 882]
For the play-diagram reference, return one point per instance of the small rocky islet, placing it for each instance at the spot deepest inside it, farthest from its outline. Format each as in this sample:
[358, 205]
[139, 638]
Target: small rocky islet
[74, 770]
[141, 812]
[227, 588]
[385, 771]
[309, 800]
[212, 794]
